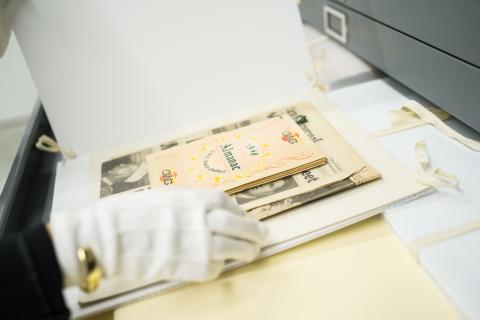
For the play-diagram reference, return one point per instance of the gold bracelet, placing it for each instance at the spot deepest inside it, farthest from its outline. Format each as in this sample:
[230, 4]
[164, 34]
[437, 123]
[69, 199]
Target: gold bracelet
[91, 271]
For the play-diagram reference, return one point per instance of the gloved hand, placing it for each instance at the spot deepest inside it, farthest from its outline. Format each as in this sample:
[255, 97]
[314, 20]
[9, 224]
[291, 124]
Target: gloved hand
[161, 234]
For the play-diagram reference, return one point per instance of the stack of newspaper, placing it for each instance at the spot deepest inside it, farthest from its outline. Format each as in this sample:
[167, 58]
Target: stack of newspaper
[336, 168]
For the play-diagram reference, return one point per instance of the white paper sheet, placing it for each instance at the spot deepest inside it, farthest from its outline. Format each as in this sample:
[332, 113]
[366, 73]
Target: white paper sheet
[444, 209]
[454, 264]
[113, 72]
[368, 104]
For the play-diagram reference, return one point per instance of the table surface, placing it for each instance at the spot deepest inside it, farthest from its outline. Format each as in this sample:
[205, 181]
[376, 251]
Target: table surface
[362, 271]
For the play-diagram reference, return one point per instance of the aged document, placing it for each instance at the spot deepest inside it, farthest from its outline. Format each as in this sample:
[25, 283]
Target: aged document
[345, 168]
[128, 172]
[344, 163]
[237, 160]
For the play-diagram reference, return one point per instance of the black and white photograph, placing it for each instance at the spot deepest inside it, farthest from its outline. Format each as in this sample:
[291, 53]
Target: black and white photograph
[265, 190]
[124, 174]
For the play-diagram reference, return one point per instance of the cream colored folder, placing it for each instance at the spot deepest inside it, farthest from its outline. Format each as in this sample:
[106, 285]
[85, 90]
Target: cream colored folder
[360, 272]
[307, 222]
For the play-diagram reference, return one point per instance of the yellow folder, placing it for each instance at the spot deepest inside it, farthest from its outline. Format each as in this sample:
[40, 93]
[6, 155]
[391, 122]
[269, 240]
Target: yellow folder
[361, 272]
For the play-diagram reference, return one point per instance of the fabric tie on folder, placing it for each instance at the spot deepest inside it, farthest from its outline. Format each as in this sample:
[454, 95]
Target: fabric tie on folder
[413, 114]
[433, 177]
[438, 179]
[316, 80]
[405, 118]
[47, 144]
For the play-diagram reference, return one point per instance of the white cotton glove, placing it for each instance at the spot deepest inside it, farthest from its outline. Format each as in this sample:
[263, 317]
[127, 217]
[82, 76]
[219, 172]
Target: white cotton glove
[161, 234]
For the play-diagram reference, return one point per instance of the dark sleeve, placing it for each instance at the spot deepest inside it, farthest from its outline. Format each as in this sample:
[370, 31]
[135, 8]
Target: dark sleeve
[30, 277]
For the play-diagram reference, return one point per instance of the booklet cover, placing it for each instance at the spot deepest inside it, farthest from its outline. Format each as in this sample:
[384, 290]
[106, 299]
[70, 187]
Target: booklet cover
[237, 160]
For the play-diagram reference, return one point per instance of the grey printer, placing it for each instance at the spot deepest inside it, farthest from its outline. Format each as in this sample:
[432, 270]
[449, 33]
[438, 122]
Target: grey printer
[430, 46]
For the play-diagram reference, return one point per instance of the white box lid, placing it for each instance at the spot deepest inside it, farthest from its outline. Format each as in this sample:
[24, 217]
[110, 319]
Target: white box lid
[113, 72]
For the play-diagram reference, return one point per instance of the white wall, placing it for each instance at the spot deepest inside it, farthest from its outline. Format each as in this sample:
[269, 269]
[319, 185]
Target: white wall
[17, 91]
[17, 99]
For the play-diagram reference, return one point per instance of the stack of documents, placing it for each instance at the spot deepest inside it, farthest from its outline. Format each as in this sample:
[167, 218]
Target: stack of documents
[278, 163]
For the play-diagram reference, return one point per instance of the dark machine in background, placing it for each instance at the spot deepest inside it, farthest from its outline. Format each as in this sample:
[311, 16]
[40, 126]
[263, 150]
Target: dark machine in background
[430, 46]
[26, 198]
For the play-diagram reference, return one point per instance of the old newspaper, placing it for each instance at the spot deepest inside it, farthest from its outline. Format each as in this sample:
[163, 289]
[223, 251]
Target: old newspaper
[345, 167]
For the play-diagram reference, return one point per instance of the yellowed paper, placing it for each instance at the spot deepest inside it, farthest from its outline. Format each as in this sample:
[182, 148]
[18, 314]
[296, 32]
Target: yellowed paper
[345, 169]
[237, 160]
